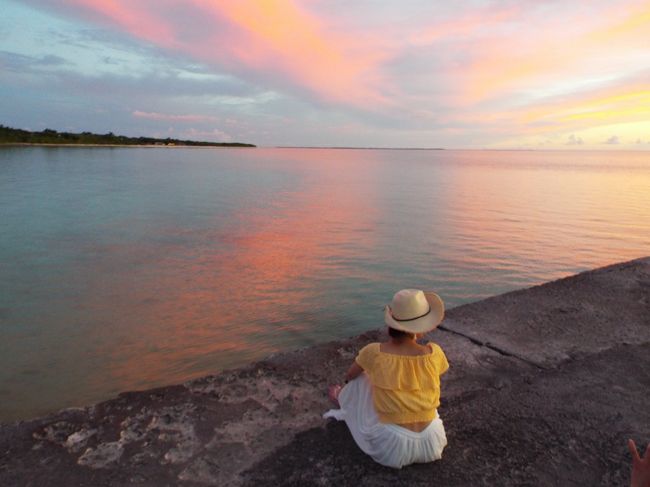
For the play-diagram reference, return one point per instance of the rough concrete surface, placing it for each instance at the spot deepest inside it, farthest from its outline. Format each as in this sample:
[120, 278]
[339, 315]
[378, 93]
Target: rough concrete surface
[545, 386]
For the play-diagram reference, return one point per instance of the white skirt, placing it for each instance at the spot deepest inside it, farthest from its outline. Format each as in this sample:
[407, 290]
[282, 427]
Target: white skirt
[388, 444]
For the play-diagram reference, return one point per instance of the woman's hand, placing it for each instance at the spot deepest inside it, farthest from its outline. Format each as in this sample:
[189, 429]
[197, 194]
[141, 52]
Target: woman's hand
[640, 466]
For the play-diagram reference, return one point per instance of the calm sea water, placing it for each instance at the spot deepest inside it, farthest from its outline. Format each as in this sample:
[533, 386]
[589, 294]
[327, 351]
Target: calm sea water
[131, 268]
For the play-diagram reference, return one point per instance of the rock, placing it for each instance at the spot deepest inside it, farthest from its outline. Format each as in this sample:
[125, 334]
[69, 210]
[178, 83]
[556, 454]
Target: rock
[102, 455]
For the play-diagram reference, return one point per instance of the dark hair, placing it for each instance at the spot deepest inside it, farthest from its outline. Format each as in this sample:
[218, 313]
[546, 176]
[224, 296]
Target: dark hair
[394, 333]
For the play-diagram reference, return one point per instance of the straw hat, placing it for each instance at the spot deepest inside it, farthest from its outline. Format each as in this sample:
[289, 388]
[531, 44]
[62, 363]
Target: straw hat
[414, 311]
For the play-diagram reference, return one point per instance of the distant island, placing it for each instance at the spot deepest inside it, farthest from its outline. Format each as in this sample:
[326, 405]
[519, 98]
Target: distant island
[343, 147]
[10, 135]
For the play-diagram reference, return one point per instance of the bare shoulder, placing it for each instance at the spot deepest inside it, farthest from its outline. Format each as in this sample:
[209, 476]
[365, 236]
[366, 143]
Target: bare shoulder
[371, 346]
[435, 348]
[370, 349]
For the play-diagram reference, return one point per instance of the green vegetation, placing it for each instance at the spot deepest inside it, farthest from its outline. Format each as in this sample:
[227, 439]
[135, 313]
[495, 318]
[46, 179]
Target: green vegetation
[10, 135]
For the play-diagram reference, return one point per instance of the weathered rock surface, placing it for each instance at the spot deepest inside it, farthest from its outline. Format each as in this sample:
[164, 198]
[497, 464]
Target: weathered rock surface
[546, 385]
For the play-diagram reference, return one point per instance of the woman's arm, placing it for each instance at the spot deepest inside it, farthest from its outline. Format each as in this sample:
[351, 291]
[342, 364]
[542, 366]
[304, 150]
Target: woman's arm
[353, 372]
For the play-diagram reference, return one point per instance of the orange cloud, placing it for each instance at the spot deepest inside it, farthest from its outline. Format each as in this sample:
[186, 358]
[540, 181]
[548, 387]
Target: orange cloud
[559, 49]
[624, 107]
[619, 104]
[628, 107]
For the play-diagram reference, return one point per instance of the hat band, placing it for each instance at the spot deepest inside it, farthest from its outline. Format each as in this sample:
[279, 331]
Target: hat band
[411, 319]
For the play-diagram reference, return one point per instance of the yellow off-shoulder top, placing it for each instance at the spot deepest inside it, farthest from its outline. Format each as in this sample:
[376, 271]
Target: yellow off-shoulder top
[405, 389]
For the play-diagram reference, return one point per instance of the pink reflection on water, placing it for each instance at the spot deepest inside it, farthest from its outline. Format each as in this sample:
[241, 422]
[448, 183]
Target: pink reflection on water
[181, 312]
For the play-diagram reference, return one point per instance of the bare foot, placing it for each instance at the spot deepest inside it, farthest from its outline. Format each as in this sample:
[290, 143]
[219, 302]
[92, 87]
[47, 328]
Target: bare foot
[333, 393]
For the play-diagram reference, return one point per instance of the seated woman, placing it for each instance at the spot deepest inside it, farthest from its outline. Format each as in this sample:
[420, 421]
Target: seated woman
[392, 389]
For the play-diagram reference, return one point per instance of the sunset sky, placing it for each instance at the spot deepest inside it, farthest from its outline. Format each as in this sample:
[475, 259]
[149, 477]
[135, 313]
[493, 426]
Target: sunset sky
[536, 74]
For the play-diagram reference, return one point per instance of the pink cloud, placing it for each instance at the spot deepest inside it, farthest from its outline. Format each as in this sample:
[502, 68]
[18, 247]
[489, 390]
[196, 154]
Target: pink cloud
[173, 118]
[214, 134]
[467, 24]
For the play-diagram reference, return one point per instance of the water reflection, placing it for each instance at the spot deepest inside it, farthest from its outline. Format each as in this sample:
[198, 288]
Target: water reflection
[230, 292]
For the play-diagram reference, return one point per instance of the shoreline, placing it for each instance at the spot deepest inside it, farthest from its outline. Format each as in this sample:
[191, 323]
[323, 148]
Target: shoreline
[545, 386]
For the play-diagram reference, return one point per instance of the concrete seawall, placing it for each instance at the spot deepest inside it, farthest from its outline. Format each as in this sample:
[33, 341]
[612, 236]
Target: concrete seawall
[545, 386]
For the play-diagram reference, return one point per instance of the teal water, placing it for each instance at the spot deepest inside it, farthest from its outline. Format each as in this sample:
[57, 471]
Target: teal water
[128, 268]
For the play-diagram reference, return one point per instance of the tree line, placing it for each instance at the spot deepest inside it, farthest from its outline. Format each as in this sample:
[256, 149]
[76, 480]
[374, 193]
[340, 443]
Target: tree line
[10, 135]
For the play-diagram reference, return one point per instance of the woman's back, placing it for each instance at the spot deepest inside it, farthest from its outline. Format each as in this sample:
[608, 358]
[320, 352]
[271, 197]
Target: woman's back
[407, 348]
[405, 381]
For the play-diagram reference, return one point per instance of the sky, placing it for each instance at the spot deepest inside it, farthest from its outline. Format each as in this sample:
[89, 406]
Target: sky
[524, 74]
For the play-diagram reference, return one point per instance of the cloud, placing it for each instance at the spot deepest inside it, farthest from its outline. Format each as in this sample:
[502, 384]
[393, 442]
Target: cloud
[160, 81]
[622, 101]
[472, 75]
[211, 135]
[468, 23]
[573, 140]
[173, 118]
[613, 140]
[19, 62]
[52, 60]
[279, 44]
[565, 48]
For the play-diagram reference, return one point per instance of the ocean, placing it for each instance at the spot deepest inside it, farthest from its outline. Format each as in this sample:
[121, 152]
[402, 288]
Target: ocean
[130, 268]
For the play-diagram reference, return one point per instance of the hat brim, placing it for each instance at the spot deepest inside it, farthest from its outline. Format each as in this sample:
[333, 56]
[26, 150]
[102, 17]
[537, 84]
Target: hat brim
[424, 324]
